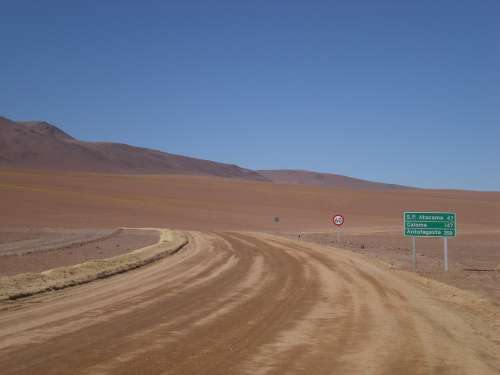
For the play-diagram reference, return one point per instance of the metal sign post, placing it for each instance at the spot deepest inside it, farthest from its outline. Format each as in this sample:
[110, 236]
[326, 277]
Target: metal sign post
[445, 254]
[338, 220]
[414, 254]
[429, 224]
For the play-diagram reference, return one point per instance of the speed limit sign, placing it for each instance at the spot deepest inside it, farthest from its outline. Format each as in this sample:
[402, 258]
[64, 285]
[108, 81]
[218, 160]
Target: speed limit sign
[338, 220]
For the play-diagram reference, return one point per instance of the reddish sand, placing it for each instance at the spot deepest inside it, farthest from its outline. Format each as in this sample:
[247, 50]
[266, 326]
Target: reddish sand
[472, 257]
[41, 254]
[82, 200]
[96, 200]
[22, 241]
[250, 303]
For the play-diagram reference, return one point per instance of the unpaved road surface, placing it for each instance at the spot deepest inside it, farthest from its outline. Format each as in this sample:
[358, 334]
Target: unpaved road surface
[236, 303]
[473, 256]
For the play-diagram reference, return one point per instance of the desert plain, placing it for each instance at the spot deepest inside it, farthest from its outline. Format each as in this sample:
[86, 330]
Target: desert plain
[248, 293]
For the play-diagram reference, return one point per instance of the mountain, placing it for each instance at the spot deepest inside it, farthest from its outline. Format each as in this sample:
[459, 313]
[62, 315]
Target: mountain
[290, 176]
[40, 145]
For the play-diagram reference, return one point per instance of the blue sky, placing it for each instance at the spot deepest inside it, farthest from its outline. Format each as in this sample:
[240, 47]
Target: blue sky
[397, 91]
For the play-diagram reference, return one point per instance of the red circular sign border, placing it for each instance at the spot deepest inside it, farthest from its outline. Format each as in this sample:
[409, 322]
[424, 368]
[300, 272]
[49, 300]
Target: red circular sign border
[343, 220]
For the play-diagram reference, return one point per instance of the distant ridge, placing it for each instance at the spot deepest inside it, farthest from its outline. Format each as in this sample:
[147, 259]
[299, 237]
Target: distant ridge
[40, 145]
[302, 177]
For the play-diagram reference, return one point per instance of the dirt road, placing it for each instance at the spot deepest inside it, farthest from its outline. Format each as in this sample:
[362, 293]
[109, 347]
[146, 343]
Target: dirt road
[235, 303]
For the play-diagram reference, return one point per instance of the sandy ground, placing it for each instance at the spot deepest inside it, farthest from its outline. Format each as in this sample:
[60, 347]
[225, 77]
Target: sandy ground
[245, 303]
[78, 200]
[19, 240]
[60, 247]
[23, 285]
[11, 235]
[242, 303]
[473, 257]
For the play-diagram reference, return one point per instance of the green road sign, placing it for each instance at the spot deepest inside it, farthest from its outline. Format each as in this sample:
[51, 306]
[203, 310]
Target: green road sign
[429, 224]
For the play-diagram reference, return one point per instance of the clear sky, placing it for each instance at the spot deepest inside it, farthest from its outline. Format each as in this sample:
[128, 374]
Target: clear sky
[397, 91]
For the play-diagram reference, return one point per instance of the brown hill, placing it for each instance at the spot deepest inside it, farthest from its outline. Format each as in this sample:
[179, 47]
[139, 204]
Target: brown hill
[39, 145]
[290, 176]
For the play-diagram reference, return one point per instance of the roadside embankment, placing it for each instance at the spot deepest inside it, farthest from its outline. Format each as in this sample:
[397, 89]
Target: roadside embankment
[27, 284]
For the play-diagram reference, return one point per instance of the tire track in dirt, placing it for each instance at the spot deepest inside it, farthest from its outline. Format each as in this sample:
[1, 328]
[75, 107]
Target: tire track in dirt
[240, 303]
[408, 330]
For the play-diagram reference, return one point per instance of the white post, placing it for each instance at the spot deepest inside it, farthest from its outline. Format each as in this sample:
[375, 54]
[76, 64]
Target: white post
[414, 254]
[338, 236]
[445, 254]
